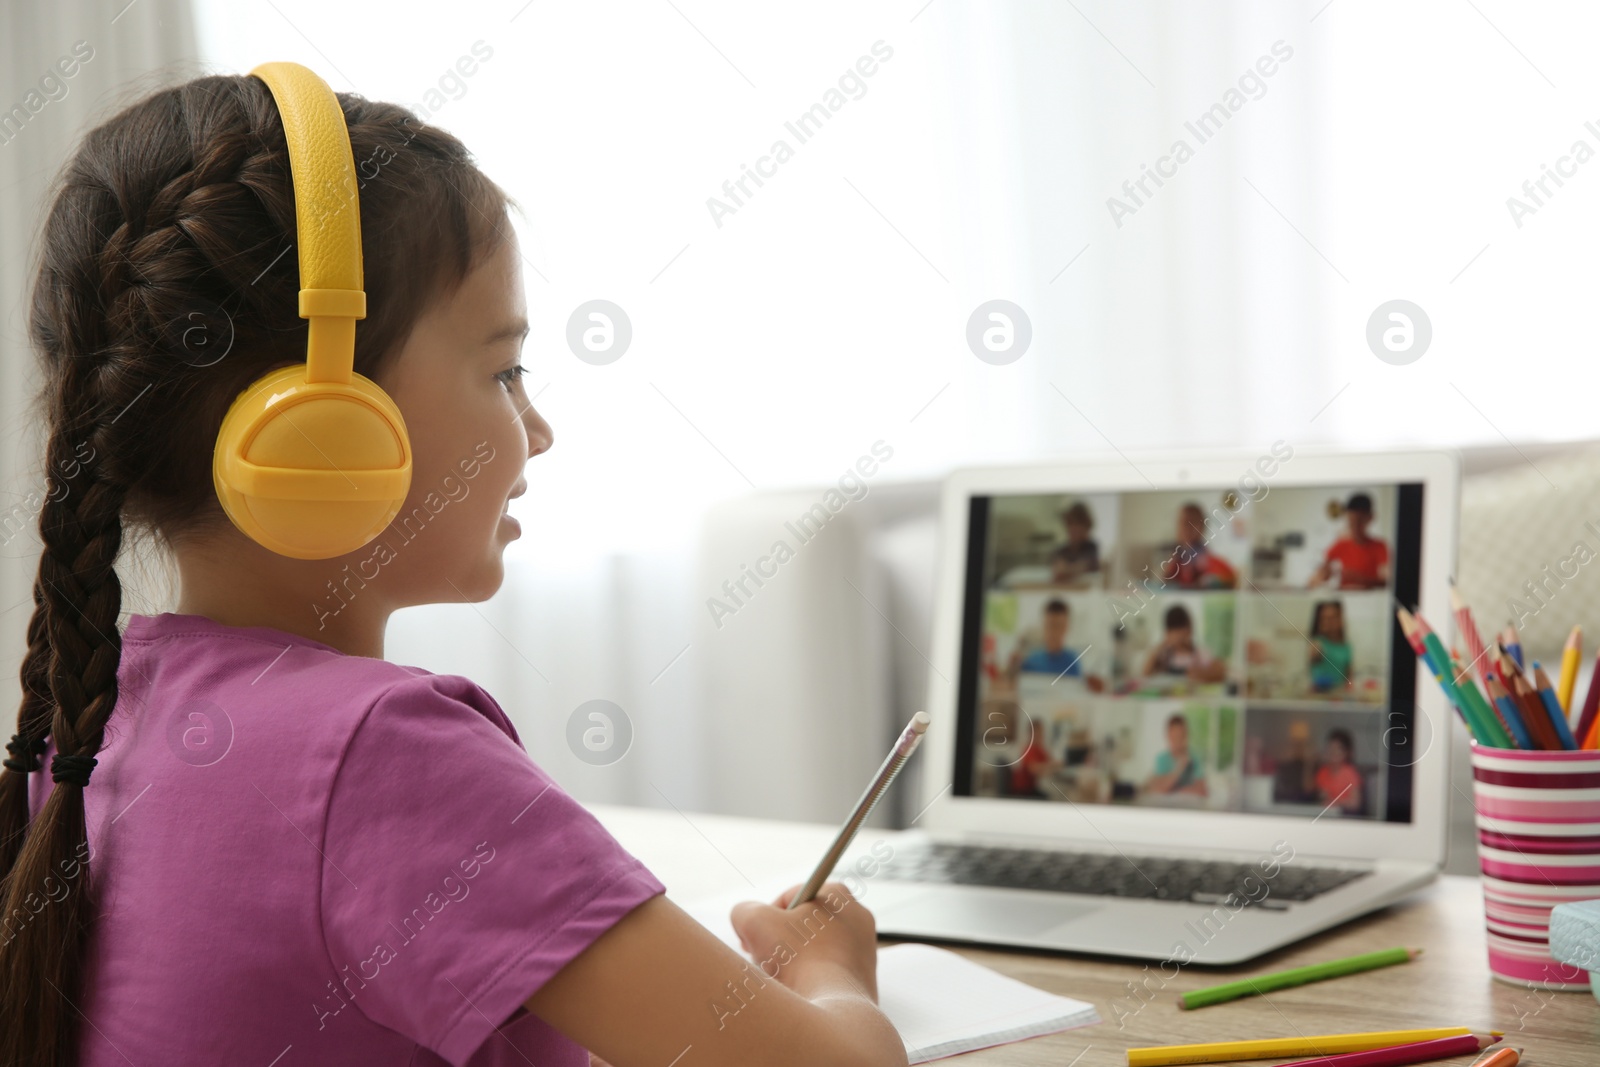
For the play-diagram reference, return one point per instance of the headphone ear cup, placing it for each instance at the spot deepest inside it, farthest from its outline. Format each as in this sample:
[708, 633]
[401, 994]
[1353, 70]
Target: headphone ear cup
[312, 470]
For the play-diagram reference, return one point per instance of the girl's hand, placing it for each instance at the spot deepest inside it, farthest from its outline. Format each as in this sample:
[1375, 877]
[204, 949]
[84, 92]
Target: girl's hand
[832, 937]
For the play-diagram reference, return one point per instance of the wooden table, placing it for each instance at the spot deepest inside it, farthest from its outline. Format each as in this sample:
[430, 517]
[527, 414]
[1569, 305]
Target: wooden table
[697, 855]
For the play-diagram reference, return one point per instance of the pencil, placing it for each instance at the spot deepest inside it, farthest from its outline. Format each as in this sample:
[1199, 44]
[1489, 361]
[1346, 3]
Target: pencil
[1591, 704]
[1508, 714]
[1532, 708]
[1396, 1055]
[1409, 627]
[1316, 972]
[1593, 740]
[904, 745]
[1506, 1057]
[1570, 653]
[1490, 731]
[1269, 1048]
[1462, 679]
[1469, 628]
[1552, 706]
[1513, 646]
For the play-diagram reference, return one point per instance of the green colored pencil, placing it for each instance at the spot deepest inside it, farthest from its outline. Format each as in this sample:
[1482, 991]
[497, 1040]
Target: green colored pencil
[1249, 987]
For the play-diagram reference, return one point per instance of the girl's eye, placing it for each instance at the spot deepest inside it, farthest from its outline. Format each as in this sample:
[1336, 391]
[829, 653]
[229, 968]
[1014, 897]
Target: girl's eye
[508, 377]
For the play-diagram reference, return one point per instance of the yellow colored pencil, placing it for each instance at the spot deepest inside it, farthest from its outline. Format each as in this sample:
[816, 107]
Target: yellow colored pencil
[1277, 1047]
[1569, 668]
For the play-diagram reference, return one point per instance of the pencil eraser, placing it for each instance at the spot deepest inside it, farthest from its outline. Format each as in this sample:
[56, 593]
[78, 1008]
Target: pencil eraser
[1575, 938]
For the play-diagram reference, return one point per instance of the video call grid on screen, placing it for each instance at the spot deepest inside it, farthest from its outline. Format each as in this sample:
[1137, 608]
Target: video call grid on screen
[1192, 648]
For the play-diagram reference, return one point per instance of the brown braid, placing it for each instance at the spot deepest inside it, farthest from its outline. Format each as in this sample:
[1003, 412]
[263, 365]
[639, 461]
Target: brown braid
[33, 726]
[163, 291]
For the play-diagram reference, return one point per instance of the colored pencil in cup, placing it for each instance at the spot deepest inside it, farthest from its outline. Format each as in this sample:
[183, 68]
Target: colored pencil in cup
[1489, 731]
[1570, 653]
[1552, 707]
[1509, 638]
[1462, 678]
[1469, 629]
[1591, 705]
[1316, 972]
[1534, 716]
[1413, 633]
[1273, 1047]
[1396, 1055]
[1509, 714]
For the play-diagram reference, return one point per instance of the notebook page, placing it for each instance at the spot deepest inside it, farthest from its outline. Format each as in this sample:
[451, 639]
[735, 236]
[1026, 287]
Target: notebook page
[943, 1003]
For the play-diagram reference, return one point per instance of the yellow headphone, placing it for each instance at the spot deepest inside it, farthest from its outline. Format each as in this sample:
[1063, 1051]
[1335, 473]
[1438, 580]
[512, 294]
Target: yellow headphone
[313, 461]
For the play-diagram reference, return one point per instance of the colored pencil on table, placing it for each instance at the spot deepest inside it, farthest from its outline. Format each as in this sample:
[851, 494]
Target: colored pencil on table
[1509, 714]
[1323, 1045]
[1469, 630]
[1591, 705]
[1316, 972]
[1552, 707]
[1396, 1055]
[1570, 653]
[1509, 638]
[1506, 1057]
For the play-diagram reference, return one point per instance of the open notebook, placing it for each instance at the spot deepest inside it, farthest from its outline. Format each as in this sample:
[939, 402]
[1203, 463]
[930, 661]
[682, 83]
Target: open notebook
[940, 1002]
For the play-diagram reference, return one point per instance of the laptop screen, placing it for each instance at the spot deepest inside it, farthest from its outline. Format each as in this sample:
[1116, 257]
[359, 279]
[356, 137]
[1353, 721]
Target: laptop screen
[1228, 648]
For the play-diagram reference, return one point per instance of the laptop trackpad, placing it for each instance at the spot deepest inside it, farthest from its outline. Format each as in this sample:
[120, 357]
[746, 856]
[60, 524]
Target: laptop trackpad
[980, 912]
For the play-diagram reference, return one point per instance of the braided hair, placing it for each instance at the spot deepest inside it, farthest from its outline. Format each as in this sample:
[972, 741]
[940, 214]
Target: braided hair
[165, 288]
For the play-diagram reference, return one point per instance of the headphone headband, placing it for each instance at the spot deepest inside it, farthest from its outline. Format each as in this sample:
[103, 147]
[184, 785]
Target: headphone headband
[327, 217]
[312, 460]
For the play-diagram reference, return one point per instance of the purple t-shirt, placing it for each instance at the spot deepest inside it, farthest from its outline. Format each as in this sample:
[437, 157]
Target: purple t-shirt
[304, 857]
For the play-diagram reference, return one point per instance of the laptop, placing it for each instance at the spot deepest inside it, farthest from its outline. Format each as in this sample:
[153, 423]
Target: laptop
[1173, 715]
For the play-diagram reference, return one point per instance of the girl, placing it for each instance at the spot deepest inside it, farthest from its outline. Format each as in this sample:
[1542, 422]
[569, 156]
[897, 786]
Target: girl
[235, 833]
[1330, 657]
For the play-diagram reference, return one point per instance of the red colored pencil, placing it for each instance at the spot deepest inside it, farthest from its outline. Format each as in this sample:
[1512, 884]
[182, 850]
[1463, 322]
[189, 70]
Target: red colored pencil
[1469, 630]
[1534, 716]
[1396, 1055]
[1591, 703]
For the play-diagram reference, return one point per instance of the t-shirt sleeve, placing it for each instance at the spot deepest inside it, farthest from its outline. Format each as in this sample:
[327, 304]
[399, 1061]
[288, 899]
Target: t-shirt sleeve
[457, 876]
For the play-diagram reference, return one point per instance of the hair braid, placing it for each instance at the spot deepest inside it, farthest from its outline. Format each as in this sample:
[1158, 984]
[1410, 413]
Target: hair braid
[33, 727]
[82, 597]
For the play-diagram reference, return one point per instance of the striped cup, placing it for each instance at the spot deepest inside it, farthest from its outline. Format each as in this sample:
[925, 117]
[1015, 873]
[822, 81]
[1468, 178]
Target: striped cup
[1538, 815]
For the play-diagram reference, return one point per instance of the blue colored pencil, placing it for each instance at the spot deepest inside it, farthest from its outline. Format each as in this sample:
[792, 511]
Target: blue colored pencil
[1510, 714]
[1513, 646]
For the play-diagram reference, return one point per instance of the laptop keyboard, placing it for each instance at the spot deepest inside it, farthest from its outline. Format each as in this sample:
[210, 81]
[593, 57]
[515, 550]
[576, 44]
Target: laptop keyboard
[1116, 874]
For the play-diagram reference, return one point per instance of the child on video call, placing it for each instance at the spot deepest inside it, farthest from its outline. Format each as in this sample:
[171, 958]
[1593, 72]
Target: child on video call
[1053, 657]
[1179, 654]
[1079, 556]
[1177, 768]
[1330, 658]
[1361, 561]
[1338, 780]
[1193, 564]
